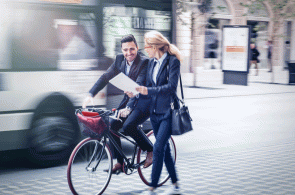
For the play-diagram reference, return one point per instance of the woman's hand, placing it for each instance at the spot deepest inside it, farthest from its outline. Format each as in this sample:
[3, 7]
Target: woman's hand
[130, 94]
[142, 89]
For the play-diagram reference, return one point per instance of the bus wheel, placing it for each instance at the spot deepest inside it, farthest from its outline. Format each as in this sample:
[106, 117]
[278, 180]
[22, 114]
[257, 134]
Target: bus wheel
[51, 138]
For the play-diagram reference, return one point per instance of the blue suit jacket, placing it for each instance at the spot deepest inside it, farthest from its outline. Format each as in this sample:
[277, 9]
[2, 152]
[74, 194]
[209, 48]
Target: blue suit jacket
[162, 92]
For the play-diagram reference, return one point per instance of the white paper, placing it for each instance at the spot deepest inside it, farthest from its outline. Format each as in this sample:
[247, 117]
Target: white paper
[124, 83]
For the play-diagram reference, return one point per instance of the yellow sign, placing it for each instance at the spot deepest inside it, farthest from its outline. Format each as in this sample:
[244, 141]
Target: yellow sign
[235, 49]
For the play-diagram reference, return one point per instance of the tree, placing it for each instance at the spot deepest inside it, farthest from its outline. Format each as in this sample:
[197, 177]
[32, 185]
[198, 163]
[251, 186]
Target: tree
[281, 9]
[197, 9]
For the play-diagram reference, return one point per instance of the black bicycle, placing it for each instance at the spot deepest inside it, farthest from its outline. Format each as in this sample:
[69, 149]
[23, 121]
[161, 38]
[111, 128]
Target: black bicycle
[90, 164]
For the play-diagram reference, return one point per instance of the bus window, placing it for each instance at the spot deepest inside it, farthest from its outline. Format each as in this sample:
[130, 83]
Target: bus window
[52, 40]
[4, 23]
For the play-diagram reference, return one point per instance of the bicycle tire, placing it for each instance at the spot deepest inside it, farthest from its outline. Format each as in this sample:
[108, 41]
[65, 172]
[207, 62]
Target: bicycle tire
[82, 176]
[146, 173]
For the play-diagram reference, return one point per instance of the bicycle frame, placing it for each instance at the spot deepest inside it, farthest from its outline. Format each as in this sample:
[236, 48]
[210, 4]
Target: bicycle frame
[107, 134]
[119, 149]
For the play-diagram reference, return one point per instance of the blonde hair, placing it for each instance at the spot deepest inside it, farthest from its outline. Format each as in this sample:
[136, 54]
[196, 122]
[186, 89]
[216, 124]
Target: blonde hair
[156, 39]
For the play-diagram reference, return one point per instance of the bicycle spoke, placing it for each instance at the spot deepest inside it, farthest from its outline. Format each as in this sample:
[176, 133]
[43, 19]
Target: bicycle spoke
[86, 173]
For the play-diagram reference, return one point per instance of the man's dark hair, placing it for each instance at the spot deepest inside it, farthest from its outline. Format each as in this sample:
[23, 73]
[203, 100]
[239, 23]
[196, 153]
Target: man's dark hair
[128, 38]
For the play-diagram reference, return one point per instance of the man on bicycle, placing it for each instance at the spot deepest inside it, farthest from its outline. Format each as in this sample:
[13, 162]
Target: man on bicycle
[131, 111]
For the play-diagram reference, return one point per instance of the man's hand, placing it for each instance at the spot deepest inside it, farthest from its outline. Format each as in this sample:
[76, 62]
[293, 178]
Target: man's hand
[123, 112]
[87, 100]
[130, 94]
[142, 89]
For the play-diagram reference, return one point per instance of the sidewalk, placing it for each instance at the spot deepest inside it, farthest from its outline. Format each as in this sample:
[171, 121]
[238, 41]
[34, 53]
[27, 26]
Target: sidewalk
[263, 170]
[210, 84]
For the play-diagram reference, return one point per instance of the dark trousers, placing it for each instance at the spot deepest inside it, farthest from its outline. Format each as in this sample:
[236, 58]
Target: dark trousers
[129, 125]
[162, 152]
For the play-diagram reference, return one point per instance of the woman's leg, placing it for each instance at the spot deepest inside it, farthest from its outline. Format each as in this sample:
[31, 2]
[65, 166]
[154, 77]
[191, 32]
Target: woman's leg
[162, 128]
[169, 162]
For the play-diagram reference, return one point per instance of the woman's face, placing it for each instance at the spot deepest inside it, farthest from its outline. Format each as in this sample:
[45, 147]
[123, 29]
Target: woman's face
[151, 51]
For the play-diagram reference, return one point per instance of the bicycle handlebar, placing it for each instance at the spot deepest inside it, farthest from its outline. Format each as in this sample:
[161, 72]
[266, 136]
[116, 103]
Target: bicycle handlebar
[101, 112]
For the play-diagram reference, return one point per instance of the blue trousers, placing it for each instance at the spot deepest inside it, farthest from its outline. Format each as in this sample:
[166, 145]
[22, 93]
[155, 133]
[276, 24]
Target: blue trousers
[162, 152]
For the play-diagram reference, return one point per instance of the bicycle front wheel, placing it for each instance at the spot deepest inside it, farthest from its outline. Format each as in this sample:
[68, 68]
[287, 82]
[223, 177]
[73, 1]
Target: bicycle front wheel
[89, 167]
[146, 173]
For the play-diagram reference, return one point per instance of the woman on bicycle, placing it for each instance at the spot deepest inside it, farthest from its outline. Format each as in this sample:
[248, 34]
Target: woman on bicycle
[161, 84]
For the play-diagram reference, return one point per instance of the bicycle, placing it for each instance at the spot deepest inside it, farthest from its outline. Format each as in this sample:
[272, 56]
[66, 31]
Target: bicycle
[90, 164]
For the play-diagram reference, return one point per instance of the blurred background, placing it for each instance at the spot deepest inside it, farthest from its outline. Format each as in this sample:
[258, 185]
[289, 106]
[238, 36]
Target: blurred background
[53, 51]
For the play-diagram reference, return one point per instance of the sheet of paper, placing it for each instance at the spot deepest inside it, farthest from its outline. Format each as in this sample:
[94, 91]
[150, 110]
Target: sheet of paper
[124, 83]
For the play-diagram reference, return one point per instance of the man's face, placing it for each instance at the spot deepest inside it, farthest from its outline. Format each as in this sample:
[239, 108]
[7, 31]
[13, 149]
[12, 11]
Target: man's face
[129, 50]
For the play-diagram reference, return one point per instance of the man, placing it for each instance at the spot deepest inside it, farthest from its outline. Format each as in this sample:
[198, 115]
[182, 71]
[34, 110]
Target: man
[132, 112]
[254, 57]
[269, 52]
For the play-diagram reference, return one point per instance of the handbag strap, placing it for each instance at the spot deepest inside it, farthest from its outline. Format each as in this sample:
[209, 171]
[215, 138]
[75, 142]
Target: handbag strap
[181, 88]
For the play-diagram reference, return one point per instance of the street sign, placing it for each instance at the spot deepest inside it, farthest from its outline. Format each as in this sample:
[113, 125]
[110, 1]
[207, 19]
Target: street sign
[235, 54]
[235, 48]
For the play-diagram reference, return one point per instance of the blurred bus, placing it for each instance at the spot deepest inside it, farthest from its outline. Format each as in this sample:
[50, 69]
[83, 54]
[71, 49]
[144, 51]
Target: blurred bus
[51, 53]
[48, 62]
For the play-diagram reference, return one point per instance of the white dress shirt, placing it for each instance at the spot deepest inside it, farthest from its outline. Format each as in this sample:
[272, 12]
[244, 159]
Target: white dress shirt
[158, 66]
[128, 67]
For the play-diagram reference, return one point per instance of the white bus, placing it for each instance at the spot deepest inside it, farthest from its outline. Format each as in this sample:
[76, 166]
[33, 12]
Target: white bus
[49, 59]
[51, 53]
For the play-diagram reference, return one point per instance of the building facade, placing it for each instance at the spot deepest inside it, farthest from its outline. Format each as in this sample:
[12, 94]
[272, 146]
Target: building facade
[199, 35]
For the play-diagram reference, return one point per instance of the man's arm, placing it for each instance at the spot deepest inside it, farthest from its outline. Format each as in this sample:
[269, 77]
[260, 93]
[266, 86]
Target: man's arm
[111, 72]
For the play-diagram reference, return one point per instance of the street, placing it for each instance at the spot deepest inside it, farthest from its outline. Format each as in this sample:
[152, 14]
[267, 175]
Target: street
[241, 144]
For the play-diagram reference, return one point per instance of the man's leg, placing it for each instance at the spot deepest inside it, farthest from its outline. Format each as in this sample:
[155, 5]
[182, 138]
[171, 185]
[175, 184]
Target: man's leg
[116, 126]
[269, 65]
[256, 66]
[130, 127]
[136, 118]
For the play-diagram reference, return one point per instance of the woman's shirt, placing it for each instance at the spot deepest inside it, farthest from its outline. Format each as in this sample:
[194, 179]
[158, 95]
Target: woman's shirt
[158, 66]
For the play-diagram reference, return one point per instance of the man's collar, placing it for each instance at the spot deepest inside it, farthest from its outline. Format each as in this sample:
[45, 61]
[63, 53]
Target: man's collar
[129, 63]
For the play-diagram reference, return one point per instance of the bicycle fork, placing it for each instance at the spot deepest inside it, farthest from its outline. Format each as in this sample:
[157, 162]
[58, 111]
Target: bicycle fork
[94, 155]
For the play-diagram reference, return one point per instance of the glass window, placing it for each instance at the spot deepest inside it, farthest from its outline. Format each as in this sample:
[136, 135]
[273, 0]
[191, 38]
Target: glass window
[53, 40]
[4, 25]
[119, 21]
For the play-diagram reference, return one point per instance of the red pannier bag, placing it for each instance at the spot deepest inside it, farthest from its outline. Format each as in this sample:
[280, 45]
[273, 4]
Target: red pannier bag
[91, 124]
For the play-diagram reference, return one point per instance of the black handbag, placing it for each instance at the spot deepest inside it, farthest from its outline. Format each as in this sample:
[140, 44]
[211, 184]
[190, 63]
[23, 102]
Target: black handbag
[181, 120]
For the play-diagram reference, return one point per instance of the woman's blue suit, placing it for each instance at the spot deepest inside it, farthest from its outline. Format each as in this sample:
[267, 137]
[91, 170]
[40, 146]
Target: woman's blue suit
[161, 93]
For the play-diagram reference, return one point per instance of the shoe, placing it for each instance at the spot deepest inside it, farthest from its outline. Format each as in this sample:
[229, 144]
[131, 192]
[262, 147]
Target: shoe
[172, 190]
[148, 160]
[269, 71]
[148, 192]
[117, 169]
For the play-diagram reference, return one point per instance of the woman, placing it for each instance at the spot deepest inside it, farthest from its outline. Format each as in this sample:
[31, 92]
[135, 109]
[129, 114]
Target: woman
[161, 84]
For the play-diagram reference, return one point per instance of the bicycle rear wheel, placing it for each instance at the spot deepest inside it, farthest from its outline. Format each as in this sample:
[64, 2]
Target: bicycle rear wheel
[89, 167]
[146, 173]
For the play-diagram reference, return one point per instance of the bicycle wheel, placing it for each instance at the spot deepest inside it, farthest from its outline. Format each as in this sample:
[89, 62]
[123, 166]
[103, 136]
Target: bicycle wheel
[146, 173]
[87, 167]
